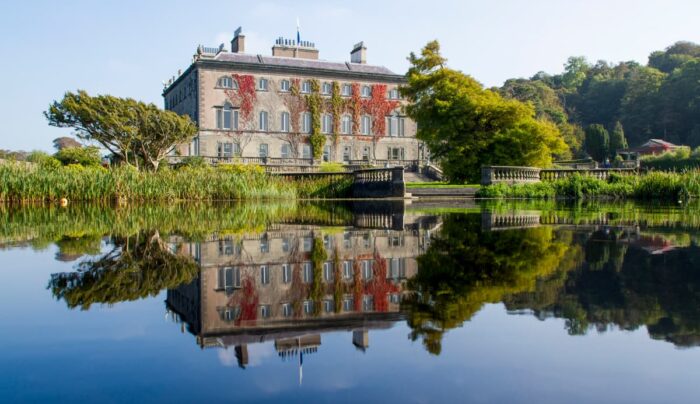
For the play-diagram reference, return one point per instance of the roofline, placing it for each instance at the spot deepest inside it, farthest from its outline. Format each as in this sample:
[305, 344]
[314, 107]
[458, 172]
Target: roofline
[314, 71]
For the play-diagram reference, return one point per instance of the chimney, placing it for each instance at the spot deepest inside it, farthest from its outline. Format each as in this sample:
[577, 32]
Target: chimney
[238, 42]
[359, 53]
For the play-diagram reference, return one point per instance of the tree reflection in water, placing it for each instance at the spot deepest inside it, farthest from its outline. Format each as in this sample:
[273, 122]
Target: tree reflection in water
[135, 267]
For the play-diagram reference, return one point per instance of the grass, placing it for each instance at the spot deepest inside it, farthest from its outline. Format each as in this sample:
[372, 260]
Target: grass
[37, 183]
[441, 185]
[652, 186]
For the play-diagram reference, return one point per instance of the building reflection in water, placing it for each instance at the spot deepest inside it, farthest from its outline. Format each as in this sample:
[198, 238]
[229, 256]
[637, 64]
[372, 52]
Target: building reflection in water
[293, 282]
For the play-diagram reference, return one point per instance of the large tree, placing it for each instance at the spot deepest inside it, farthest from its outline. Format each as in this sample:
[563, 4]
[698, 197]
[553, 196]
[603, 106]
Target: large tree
[131, 130]
[618, 141]
[597, 142]
[466, 126]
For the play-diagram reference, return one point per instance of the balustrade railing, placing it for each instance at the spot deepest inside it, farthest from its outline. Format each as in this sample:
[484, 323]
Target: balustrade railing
[522, 175]
[599, 173]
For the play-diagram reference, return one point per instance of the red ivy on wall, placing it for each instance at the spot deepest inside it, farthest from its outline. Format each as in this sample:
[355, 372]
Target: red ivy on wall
[380, 286]
[247, 299]
[244, 96]
[378, 107]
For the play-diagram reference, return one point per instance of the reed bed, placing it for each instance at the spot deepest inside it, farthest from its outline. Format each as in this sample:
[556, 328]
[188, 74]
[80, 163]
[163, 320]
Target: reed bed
[37, 183]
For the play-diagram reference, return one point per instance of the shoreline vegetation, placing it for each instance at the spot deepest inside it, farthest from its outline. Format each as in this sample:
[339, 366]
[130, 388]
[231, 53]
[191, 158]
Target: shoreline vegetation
[42, 182]
[662, 186]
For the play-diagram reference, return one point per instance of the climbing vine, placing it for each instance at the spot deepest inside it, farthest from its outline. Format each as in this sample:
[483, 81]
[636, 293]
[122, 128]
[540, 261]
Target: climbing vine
[336, 107]
[318, 257]
[247, 299]
[244, 97]
[314, 104]
[355, 107]
[378, 107]
[380, 286]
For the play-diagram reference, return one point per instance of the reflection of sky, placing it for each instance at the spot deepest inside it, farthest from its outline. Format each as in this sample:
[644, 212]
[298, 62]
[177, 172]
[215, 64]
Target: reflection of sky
[128, 352]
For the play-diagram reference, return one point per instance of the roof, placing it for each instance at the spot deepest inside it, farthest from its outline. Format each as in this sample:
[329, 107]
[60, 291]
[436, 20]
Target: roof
[280, 64]
[301, 63]
[658, 142]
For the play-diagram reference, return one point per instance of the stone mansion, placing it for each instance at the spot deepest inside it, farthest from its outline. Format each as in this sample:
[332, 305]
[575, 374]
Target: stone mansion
[292, 109]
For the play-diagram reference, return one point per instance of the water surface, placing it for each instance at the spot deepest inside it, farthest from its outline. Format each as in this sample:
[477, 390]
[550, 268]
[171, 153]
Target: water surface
[506, 302]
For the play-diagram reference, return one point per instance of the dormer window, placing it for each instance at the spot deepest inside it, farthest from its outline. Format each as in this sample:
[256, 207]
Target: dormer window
[326, 88]
[306, 87]
[226, 82]
[262, 84]
[366, 91]
[284, 85]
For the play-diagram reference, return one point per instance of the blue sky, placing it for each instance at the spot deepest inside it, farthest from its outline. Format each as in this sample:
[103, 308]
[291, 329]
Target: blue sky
[128, 47]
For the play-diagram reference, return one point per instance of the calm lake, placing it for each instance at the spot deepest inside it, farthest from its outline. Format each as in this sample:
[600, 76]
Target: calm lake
[351, 302]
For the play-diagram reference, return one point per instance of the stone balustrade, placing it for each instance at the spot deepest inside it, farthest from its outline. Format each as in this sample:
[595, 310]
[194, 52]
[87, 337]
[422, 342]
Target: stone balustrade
[379, 183]
[509, 175]
[523, 175]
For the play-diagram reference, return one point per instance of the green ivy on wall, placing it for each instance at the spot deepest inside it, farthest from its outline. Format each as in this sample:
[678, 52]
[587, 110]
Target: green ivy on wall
[314, 103]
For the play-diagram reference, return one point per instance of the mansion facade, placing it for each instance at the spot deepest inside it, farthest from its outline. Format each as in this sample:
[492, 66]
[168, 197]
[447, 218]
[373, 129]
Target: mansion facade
[266, 109]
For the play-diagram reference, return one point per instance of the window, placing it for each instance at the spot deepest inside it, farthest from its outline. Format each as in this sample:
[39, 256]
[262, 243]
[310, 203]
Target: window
[347, 240]
[306, 151]
[286, 273]
[326, 153]
[263, 150]
[393, 94]
[326, 123]
[264, 245]
[306, 244]
[347, 153]
[396, 241]
[285, 244]
[366, 91]
[348, 304]
[306, 87]
[395, 298]
[225, 82]
[228, 150]
[326, 88]
[392, 126]
[347, 270]
[308, 306]
[287, 310]
[229, 278]
[328, 306]
[265, 311]
[367, 239]
[307, 273]
[264, 121]
[402, 126]
[327, 242]
[347, 90]
[397, 268]
[264, 274]
[285, 152]
[284, 121]
[365, 153]
[306, 122]
[367, 269]
[346, 125]
[367, 303]
[366, 124]
[284, 85]
[396, 153]
[262, 84]
[226, 247]
[226, 117]
[328, 271]
[230, 313]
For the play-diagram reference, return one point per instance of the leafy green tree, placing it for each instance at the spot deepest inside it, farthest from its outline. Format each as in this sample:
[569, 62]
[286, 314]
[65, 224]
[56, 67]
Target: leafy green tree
[597, 142]
[85, 156]
[680, 99]
[618, 141]
[65, 142]
[131, 130]
[639, 109]
[575, 71]
[674, 56]
[466, 126]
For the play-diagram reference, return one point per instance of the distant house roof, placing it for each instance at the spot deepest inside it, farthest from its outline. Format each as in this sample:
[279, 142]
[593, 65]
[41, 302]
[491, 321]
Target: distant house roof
[651, 146]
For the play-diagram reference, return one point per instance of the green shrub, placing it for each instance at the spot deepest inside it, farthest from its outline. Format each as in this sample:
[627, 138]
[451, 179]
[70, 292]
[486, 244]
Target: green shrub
[193, 161]
[84, 156]
[331, 167]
